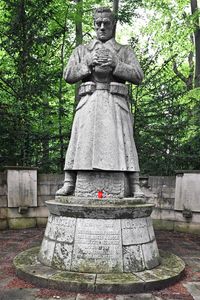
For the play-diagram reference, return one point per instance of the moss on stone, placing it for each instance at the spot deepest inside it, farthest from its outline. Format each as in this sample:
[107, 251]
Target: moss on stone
[29, 268]
[171, 261]
[187, 227]
[3, 213]
[27, 257]
[22, 223]
[121, 278]
[167, 225]
[57, 263]
[88, 266]
[74, 277]
[3, 224]
[41, 222]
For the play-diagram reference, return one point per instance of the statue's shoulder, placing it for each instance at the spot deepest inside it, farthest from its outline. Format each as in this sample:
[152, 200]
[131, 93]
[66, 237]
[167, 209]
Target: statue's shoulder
[123, 47]
[117, 46]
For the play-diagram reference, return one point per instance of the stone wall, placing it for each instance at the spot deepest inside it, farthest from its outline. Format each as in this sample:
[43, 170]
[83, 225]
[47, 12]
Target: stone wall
[159, 190]
[23, 215]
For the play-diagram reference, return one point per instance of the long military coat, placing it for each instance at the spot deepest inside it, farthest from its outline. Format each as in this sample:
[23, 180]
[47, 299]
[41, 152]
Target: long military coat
[102, 132]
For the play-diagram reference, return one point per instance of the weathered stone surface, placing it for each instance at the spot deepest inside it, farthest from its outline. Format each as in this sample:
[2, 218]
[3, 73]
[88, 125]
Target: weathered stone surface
[100, 209]
[41, 222]
[97, 246]
[187, 227]
[51, 181]
[135, 231]
[187, 191]
[163, 224]
[73, 281]
[133, 258]
[3, 201]
[21, 223]
[150, 228]
[151, 255]
[112, 184]
[194, 289]
[137, 297]
[22, 188]
[3, 224]
[50, 231]
[3, 213]
[29, 268]
[14, 212]
[60, 229]
[41, 212]
[112, 283]
[26, 258]
[17, 293]
[3, 190]
[43, 198]
[47, 251]
[62, 256]
[158, 183]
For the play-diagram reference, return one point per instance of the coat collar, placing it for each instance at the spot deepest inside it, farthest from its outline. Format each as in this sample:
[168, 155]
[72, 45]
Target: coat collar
[110, 43]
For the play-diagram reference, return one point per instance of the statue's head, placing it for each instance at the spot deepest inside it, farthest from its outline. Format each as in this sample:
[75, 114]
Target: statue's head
[104, 23]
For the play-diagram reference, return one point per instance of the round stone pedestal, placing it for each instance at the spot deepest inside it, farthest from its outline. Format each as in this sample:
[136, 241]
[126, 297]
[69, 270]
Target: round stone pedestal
[99, 245]
[101, 236]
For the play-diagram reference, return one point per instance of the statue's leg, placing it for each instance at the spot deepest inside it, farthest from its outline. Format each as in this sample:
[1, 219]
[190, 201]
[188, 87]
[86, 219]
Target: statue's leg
[135, 185]
[69, 184]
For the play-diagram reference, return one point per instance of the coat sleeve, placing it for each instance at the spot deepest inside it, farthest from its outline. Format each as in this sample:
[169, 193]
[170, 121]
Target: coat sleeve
[128, 67]
[77, 67]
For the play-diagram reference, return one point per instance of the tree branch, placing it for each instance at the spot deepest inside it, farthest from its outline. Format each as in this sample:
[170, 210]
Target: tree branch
[10, 86]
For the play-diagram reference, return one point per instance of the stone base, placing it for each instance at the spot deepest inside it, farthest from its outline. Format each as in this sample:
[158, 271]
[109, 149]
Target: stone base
[168, 272]
[99, 236]
[112, 184]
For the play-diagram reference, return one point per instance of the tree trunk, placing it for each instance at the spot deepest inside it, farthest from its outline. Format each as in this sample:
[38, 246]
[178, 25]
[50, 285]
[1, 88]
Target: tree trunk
[79, 39]
[79, 16]
[194, 9]
[115, 11]
[60, 97]
[22, 69]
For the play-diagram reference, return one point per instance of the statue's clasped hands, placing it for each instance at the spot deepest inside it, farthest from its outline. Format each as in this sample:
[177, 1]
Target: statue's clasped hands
[103, 58]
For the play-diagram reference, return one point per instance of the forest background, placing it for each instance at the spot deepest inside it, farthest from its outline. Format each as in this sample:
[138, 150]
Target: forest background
[37, 106]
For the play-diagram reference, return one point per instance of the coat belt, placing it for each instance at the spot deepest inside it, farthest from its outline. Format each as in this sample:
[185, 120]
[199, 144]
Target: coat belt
[89, 87]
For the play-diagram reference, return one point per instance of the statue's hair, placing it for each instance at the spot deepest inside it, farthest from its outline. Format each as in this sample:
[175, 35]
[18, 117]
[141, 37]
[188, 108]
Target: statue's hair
[100, 10]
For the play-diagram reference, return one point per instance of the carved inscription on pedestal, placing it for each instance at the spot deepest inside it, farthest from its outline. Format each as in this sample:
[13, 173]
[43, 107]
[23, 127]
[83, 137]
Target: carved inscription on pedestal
[97, 246]
[60, 229]
[135, 231]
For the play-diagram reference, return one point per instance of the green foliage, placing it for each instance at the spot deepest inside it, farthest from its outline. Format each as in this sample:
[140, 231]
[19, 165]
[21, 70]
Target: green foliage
[37, 106]
[162, 106]
[31, 70]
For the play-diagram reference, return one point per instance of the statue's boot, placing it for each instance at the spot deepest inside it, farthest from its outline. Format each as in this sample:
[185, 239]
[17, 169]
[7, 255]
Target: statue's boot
[68, 186]
[135, 185]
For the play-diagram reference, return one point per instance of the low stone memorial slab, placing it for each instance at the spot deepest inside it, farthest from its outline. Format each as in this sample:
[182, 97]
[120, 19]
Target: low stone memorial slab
[22, 187]
[187, 191]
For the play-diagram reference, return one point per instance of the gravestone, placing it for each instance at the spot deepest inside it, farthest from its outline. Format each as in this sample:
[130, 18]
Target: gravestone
[187, 190]
[22, 187]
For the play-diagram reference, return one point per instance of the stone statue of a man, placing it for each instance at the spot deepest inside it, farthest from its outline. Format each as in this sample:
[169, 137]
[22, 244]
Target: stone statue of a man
[102, 133]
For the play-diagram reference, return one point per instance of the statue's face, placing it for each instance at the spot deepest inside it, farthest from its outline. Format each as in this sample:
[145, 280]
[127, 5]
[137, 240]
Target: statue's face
[104, 26]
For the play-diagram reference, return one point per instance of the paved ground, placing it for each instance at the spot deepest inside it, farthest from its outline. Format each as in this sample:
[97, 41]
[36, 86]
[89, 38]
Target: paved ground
[14, 241]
